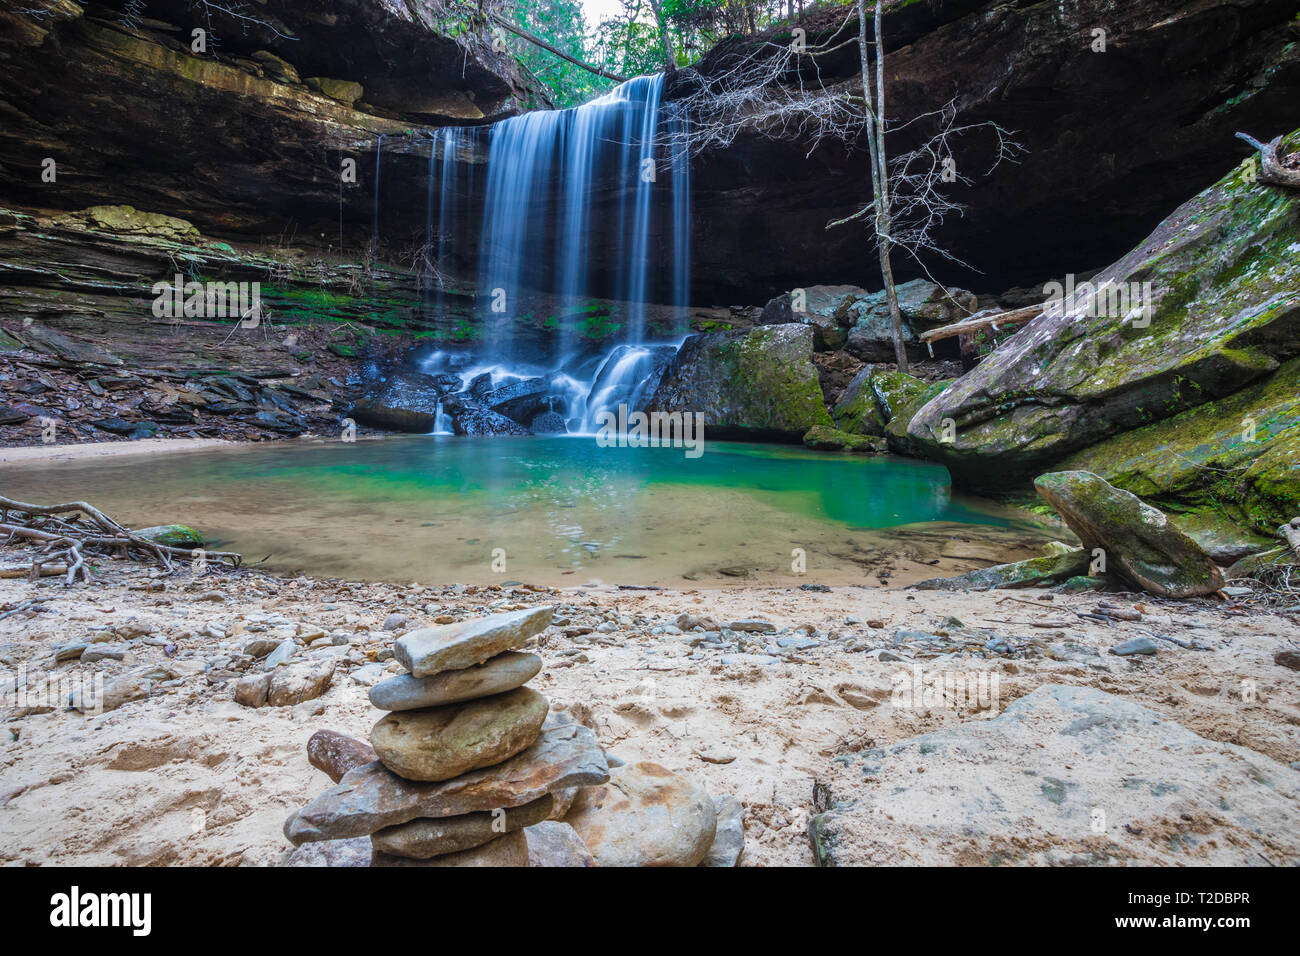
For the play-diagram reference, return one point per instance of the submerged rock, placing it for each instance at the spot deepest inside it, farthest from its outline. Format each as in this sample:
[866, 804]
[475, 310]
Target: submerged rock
[1066, 775]
[1138, 541]
[645, 816]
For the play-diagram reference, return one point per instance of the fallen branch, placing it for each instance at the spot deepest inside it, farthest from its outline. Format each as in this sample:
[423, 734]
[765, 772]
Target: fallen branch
[984, 320]
[1270, 169]
[538, 41]
[1290, 533]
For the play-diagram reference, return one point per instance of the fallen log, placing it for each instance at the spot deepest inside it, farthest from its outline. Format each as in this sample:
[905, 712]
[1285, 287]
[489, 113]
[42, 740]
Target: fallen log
[984, 320]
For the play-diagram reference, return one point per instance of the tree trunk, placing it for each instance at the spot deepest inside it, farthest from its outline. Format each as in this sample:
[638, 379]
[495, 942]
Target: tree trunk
[875, 106]
[670, 63]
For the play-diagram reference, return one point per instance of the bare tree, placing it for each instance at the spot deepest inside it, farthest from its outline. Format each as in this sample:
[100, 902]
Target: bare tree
[776, 90]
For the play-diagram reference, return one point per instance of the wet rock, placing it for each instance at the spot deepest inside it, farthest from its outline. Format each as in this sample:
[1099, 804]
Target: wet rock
[645, 816]
[495, 676]
[729, 836]
[1139, 541]
[429, 651]
[548, 423]
[372, 797]
[758, 382]
[427, 837]
[443, 742]
[336, 753]
[405, 402]
[172, 535]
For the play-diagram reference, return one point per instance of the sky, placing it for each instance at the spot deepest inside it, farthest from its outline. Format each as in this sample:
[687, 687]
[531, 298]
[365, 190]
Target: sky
[596, 10]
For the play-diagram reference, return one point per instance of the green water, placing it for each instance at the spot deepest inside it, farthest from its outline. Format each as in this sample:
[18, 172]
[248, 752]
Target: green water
[442, 509]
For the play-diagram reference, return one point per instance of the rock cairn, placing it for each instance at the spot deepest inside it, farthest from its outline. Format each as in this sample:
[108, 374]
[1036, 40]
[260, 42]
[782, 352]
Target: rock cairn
[468, 768]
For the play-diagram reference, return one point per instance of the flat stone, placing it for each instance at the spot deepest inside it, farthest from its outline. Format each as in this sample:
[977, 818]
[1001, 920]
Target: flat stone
[430, 651]
[544, 844]
[427, 837]
[753, 626]
[497, 675]
[283, 651]
[443, 742]
[371, 797]
[645, 816]
[729, 836]
[1137, 645]
[1065, 775]
[337, 753]
[103, 652]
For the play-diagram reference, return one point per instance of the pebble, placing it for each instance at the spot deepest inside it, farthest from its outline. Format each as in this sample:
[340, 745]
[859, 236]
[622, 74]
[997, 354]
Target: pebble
[753, 626]
[103, 652]
[1137, 645]
[394, 622]
[70, 652]
[369, 674]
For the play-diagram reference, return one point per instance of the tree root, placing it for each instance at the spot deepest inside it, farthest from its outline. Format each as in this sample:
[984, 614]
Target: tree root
[66, 541]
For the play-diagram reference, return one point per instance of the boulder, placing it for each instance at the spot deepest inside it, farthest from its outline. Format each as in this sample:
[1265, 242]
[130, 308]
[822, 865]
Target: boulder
[824, 310]
[371, 797]
[1139, 541]
[1064, 776]
[1233, 457]
[1210, 305]
[444, 742]
[428, 837]
[345, 91]
[753, 383]
[404, 402]
[922, 304]
[1034, 573]
[645, 816]
[548, 423]
[495, 676]
[470, 417]
[430, 651]
[856, 410]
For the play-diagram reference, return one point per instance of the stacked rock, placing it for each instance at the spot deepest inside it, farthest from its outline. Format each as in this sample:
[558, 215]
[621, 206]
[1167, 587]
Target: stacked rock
[469, 768]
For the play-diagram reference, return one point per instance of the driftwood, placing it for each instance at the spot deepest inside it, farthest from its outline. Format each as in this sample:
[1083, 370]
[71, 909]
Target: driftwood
[1271, 171]
[984, 320]
[66, 540]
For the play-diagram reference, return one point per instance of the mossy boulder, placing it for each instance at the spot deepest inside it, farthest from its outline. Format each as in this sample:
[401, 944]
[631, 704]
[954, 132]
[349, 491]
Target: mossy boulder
[826, 438]
[172, 536]
[127, 220]
[1034, 573]
[1221, 311]
[856, 411]
[901, 398]
[1138, 541]
[755, 383]
[1232, 460]
[345, 91]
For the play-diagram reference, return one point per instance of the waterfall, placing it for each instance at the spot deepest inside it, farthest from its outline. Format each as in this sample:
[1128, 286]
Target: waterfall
[548, 173]
[374, 231]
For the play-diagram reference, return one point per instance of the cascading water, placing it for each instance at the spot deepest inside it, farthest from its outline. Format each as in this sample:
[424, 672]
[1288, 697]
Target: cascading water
[547, 171]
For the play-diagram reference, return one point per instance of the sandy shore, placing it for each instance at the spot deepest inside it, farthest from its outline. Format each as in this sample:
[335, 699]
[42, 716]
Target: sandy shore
[186, 775]
[81, 451]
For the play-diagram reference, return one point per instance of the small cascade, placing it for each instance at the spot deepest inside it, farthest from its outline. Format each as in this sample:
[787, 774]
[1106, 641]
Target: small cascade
[442, 421]
[374, 229]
